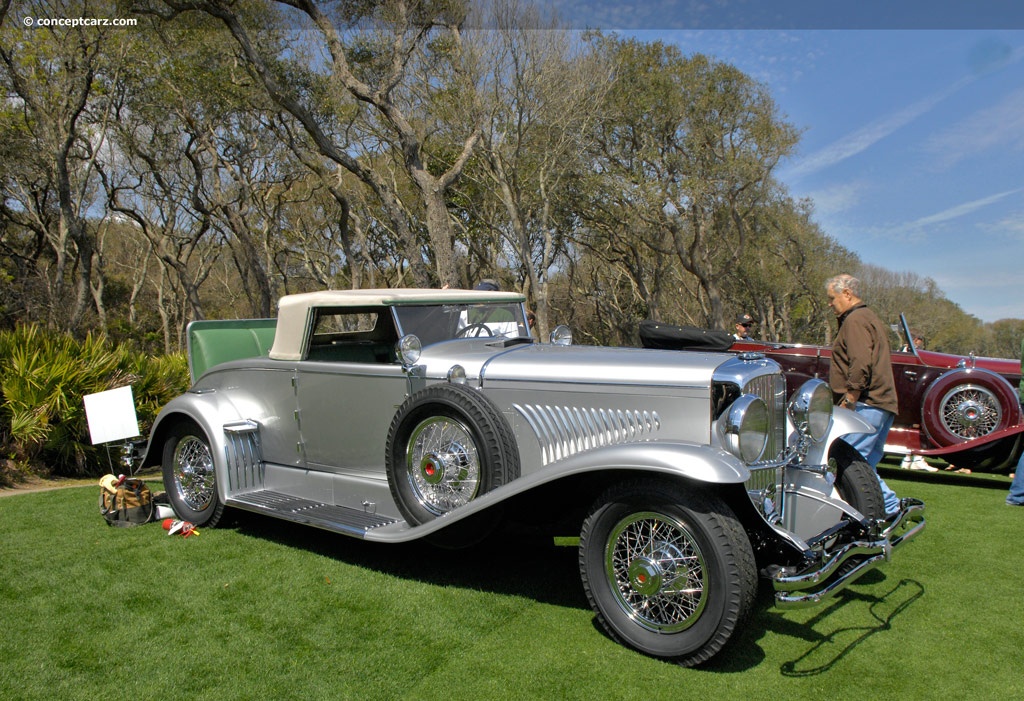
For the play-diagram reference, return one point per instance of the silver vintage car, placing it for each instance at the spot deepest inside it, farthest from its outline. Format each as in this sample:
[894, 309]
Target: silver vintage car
[394, 415]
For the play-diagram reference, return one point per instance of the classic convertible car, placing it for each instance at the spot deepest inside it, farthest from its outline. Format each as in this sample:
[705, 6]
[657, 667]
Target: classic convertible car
[965, 410]
[394, 415]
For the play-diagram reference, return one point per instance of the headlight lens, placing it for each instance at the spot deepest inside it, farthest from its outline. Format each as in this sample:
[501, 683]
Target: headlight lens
[743, 429]
[811, 409]
[561, 336]
[409, 349]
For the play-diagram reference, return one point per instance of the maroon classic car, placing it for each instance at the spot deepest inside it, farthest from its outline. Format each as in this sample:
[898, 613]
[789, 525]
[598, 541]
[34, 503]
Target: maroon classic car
[965, 410]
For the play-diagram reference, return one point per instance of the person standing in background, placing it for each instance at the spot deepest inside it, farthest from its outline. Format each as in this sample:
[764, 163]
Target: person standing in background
[742, 326]
[861, 373]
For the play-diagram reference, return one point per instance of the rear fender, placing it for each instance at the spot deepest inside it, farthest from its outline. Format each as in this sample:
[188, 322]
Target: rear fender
[208, 414]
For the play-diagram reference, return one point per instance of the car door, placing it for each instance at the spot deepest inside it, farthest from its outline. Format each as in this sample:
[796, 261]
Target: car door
[348, 389]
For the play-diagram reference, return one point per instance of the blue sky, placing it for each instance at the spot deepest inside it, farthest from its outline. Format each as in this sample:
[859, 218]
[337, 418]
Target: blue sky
[912, 114]
[912, 146]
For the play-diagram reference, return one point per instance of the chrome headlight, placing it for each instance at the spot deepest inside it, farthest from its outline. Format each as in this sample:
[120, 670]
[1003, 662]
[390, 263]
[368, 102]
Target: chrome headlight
[457, 375]
[560, 336]
[743, 429]
[811, 409]
[408, 349]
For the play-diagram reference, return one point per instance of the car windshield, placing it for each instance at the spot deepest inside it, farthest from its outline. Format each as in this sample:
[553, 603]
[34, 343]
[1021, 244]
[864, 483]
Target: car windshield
[436, 323]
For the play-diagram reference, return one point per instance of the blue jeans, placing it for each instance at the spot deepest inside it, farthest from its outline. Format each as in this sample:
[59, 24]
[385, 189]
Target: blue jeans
[1016, 496]
[871, 446]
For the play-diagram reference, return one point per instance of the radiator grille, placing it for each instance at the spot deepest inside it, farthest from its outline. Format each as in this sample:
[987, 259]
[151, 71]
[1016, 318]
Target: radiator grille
[765, 483]
[772, 390]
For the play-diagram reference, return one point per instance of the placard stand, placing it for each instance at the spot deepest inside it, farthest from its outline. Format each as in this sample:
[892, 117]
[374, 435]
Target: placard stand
[111, 416]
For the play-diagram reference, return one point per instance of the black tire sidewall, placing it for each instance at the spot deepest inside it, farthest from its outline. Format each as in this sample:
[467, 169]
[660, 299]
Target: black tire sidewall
[856, 481]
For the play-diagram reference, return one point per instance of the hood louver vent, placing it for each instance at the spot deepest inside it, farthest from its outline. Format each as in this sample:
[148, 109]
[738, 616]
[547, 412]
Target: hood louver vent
[564, 431]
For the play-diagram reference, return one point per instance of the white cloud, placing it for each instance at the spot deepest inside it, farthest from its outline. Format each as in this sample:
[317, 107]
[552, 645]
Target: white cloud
[962, 209]
[1012, 227]
[989, 128]
[869, 135]
[837, 199]
[998, 127]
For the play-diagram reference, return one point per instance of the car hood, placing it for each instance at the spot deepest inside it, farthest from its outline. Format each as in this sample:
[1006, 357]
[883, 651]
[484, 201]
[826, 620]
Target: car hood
[575, 364]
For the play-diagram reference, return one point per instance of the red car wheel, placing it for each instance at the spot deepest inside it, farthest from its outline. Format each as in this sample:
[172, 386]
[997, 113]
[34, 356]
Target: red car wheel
[965, 404]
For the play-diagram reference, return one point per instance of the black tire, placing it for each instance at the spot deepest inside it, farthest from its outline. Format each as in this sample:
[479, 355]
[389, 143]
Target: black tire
[190, 477]
[668, 570]
[857, 481]
[447, 445]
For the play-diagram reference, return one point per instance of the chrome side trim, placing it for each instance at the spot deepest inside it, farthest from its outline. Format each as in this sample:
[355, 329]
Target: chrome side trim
[564, 431]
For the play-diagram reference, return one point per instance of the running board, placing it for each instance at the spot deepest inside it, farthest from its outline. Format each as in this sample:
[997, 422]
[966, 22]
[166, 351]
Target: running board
[339, 519]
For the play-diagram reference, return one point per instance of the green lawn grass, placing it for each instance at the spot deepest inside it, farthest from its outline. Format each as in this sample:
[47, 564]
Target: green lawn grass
[266, 610]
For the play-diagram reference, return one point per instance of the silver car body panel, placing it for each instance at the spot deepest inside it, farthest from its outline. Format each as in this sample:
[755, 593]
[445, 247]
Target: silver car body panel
[313, 440]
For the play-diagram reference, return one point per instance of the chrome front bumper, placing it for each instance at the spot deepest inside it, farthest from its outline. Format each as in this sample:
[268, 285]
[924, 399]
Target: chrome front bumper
[833, 570]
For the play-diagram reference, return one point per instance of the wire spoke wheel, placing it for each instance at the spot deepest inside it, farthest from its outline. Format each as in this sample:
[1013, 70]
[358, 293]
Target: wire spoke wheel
[447, 445]
[190, 475]
[658, 571]
[970, 411]
[668, 569]
[968, 404]
[443, 464]
[194, 478]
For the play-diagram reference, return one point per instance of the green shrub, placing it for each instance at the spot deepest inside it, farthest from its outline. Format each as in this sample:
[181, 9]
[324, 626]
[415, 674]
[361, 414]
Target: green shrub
[43, 379]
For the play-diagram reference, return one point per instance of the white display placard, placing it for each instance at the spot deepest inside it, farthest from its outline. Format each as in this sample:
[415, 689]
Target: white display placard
[111, 415]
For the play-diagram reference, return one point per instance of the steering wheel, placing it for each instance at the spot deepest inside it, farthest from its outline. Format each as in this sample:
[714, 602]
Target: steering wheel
[464, 332]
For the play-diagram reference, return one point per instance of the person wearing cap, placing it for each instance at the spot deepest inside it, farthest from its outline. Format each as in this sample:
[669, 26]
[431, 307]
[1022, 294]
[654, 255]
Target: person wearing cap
[743, 324]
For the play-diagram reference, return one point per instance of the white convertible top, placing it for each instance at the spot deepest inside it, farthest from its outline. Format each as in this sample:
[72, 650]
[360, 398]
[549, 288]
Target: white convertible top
[293, 311]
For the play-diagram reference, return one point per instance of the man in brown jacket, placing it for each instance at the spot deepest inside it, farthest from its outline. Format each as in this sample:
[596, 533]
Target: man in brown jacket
[861, 372]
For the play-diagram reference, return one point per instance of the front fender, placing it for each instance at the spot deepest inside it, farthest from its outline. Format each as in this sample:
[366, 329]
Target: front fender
[844, 422]
[208, 410]
[696, 462]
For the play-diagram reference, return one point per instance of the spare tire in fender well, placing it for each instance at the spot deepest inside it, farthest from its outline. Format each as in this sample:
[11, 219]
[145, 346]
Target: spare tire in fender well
[447, 444]
[968, 403]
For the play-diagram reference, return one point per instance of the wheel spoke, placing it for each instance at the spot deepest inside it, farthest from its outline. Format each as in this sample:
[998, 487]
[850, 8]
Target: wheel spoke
[970, 411]
[658, 571]
[194, 476]
[443, 464]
